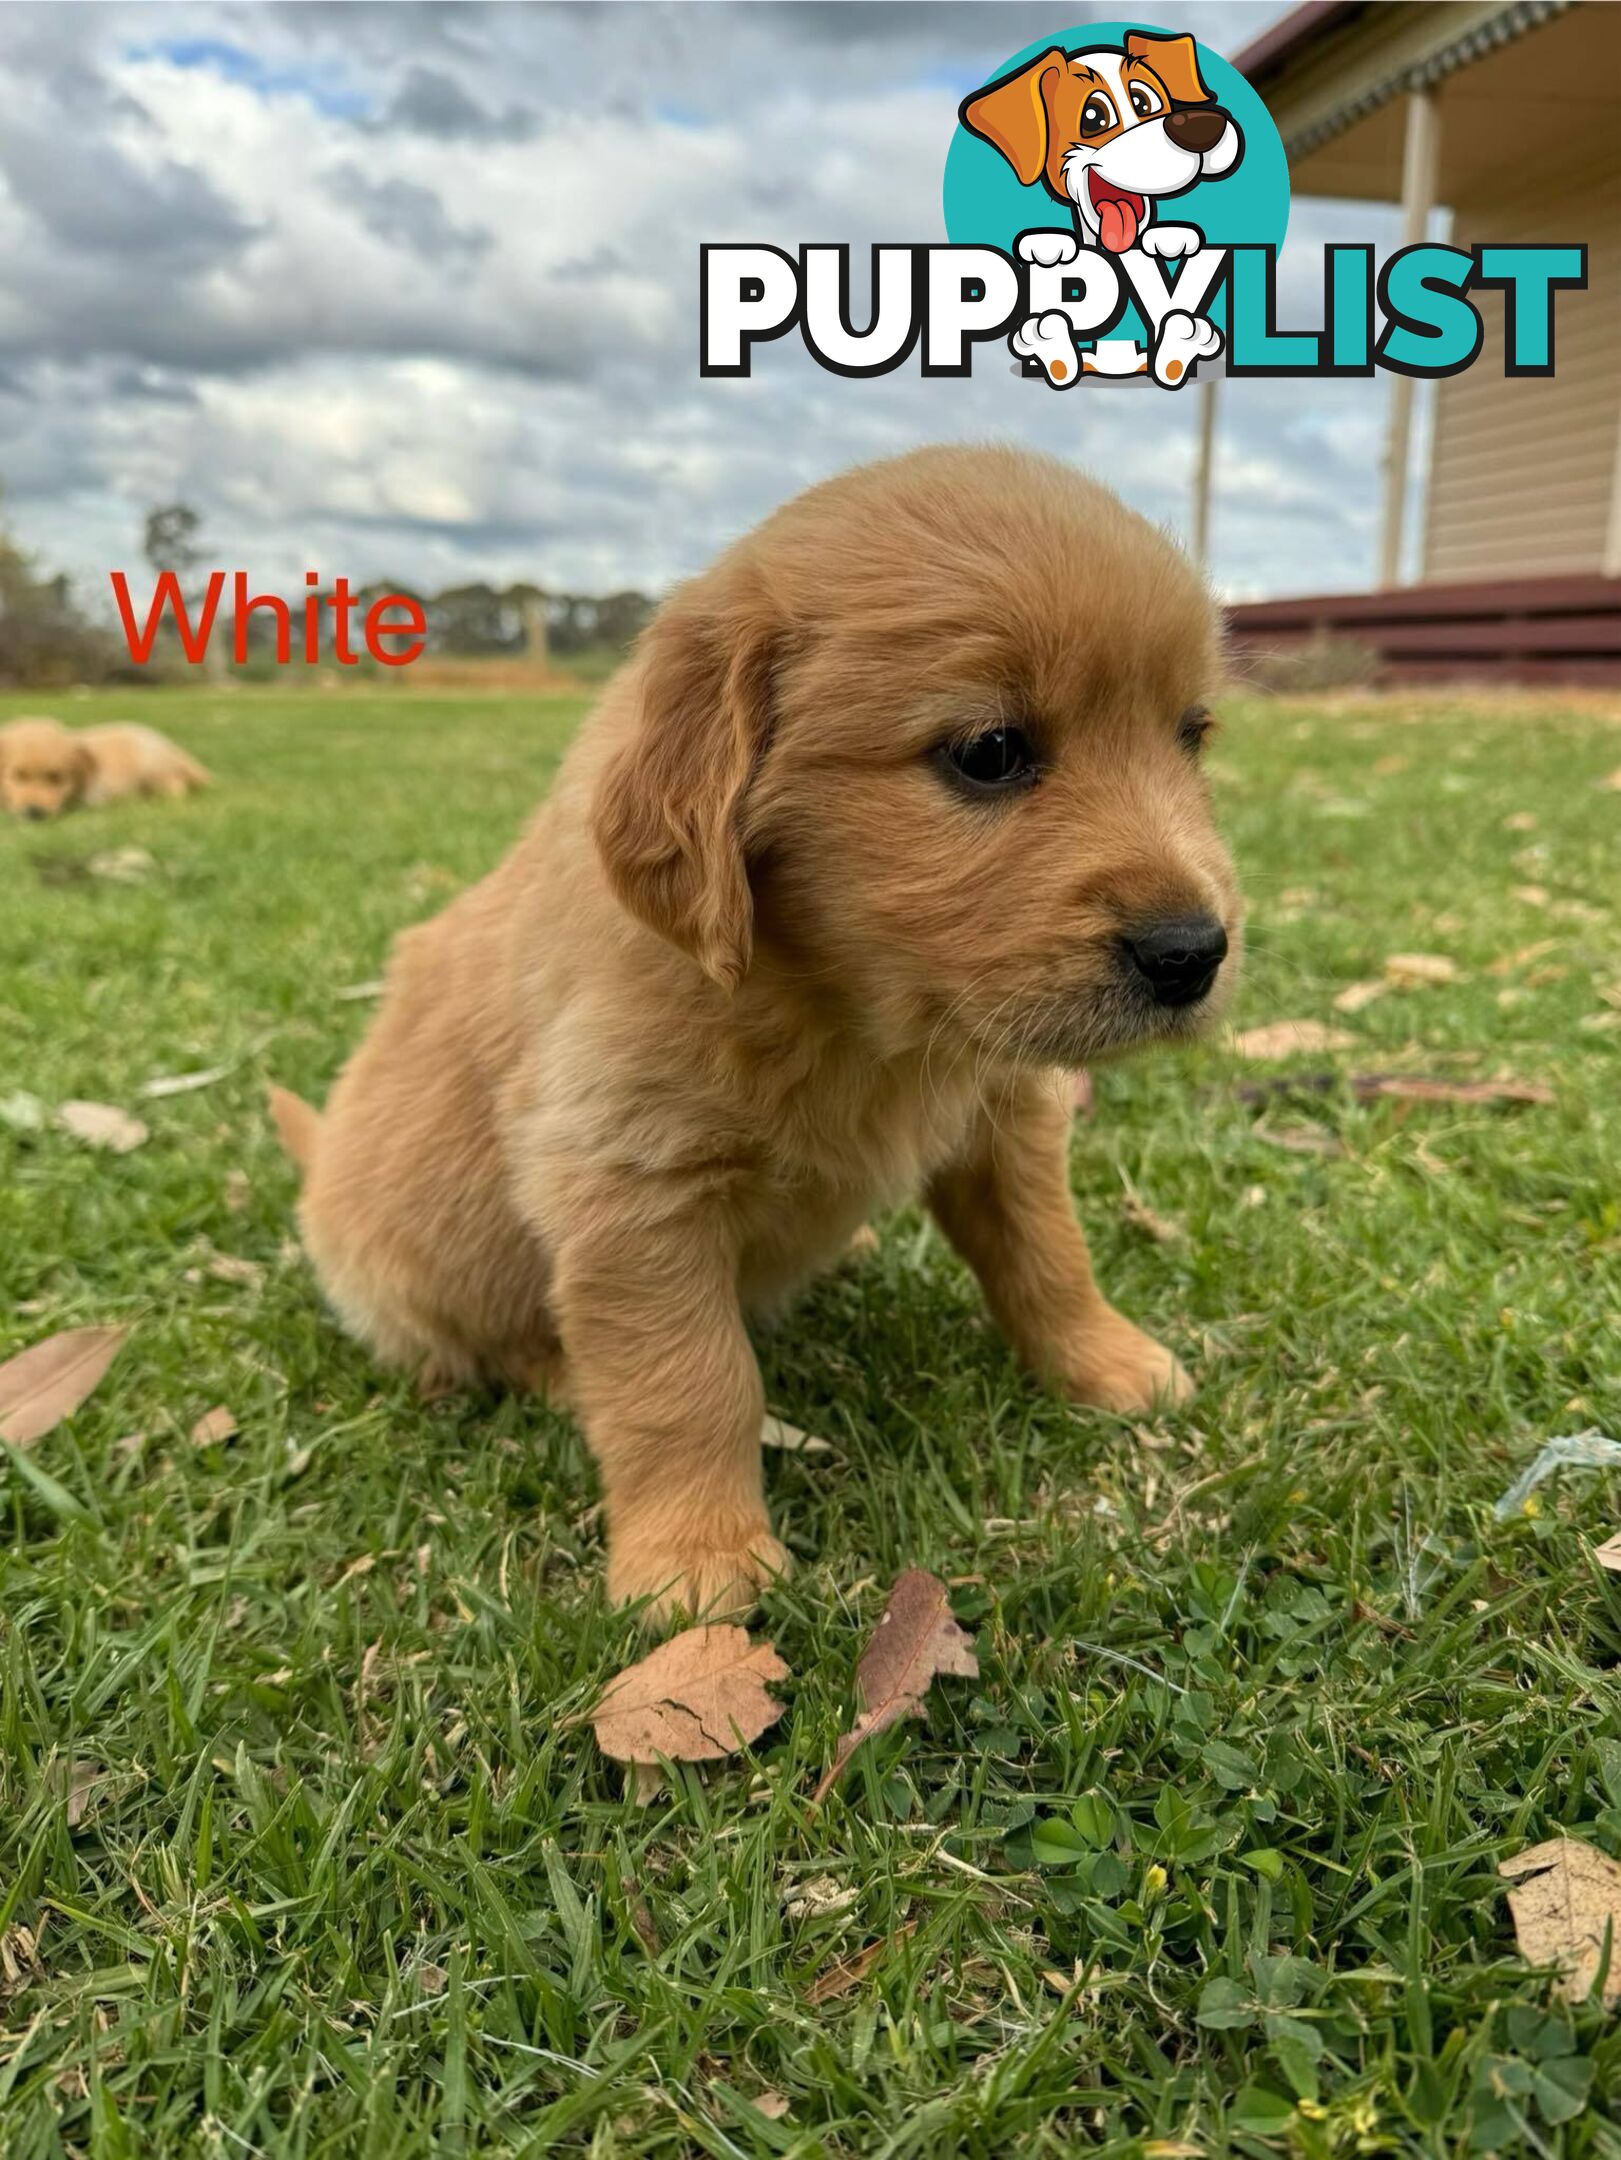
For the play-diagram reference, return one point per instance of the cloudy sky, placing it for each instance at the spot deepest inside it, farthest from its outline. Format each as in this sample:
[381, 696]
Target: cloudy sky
[412, 291]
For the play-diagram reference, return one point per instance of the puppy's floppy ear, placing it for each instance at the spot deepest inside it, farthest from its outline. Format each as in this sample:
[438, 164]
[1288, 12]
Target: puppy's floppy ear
[1175, 60]
[668, 815]
[1011, 115]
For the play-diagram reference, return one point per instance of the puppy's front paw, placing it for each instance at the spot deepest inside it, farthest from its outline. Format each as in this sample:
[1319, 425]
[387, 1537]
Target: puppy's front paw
[1170, 241]
[1117, 1367]
[687, 1579]
[1048, 248]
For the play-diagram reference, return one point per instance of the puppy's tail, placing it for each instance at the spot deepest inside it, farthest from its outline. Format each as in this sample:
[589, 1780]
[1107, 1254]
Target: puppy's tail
[298, 1124]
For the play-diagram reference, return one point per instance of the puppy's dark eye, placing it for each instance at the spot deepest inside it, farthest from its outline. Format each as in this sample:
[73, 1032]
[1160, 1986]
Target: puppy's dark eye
[996, 763]
[1193, 727]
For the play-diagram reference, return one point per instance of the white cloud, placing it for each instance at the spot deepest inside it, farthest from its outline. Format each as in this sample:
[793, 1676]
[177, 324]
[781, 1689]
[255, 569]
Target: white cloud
[412, 291]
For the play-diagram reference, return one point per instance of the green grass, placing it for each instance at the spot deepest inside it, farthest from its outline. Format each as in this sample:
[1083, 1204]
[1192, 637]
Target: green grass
[352, 1878]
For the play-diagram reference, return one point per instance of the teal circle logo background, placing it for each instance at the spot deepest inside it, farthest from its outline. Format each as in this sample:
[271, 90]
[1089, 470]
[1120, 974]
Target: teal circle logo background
[985, 206]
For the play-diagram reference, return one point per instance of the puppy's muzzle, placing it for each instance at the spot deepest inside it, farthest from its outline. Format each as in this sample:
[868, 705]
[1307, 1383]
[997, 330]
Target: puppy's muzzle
[1177, 959]
[1196, 130]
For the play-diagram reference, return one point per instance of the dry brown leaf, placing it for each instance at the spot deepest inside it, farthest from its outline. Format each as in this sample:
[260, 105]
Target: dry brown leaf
[697, 1697]
[776, 1433]
[772, 2105]
[849, 1972]
[353, 993]
[1508, 962]
[1608, 1555]
[1412, 969]
[229, 1267]
[1141, 1216]
[214, 1426]
[1570, 1897]
[1287, 1038]
[1358, 994]
[1530, 895]
[102, 1125]
[1417, 1087]
[915, 1638]
[47, 1382]
[1520, 821]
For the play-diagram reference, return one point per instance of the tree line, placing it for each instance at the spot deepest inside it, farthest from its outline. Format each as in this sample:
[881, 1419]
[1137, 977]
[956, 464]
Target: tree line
[50, 639]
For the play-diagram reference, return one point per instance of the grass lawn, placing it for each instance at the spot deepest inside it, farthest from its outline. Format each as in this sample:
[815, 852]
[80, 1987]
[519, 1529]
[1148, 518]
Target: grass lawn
[338, 1871]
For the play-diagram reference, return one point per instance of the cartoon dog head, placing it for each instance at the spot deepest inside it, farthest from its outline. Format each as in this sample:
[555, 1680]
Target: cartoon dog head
[1108, 132]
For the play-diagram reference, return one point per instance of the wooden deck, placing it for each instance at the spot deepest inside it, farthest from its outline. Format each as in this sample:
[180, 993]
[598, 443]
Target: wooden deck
[1515, 630]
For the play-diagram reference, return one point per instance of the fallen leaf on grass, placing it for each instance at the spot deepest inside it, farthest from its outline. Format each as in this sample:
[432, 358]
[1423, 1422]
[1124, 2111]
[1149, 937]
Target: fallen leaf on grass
[849, 1972]
[915, 1639]
[122, 865]
[772, 2105]
[822, 1896]
[1288, 1038]
[1608, 1555]
[80, 1783]
[47, 1382]
[1358, 994]
[1530, 895]
[214, 1426]
[232, 1268]
[697, 1697]
[1398, 1087]
[1506, 963]
[1570, 1900]
[22, 1112]
[1142, 1217]
[1301, 1139]
[185, 1083]
[1520, 821]
[102, 1125]
[1412, 969]
[776, 1433]
[354, 992]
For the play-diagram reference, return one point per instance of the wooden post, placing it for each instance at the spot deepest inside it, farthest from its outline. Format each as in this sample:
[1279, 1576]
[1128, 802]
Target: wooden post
[1203, 464]
[1420, 161]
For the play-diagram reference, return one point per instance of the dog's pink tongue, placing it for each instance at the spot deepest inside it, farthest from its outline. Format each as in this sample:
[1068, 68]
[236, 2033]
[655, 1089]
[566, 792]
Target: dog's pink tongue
[1117, 224]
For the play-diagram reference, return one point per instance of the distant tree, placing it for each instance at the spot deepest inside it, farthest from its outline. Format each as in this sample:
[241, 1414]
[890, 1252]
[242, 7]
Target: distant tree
[169, 543]
[45, 640]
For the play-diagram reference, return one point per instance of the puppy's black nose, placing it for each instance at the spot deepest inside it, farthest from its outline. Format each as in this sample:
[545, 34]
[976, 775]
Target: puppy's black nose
[1178, 959]
[33, 811]
[1199, 128]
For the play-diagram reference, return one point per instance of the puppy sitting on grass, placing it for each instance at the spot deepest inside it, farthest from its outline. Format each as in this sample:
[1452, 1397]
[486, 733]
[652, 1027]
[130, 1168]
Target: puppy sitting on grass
[892, 819]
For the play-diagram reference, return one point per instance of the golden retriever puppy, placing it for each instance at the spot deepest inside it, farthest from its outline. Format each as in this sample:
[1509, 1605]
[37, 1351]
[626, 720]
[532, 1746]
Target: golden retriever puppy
[892, 819]
[46, 768]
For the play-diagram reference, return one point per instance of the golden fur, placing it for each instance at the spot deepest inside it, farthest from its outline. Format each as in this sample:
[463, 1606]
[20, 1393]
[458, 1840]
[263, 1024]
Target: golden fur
[46, 768]
[755, 967]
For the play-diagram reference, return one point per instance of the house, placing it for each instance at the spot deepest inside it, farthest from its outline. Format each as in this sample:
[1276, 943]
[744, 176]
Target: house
[1507, 113]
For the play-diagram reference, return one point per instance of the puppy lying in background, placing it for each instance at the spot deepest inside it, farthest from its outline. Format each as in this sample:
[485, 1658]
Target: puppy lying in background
[893, 818]
[46, 768]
